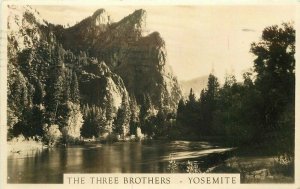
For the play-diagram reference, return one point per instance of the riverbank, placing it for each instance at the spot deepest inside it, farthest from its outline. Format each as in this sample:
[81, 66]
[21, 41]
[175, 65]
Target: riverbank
[258, 169]
[256, 163]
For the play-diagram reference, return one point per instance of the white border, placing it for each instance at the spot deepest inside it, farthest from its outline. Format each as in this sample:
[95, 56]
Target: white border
[3, 84]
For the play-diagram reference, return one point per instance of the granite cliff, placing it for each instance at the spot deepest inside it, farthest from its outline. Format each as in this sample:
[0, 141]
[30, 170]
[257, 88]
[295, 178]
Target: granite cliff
[63, 72]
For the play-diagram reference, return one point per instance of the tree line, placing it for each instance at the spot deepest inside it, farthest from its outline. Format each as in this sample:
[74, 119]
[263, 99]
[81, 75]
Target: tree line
[259, 111]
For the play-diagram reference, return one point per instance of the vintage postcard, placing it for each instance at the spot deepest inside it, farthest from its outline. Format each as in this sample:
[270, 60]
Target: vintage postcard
[149, 94]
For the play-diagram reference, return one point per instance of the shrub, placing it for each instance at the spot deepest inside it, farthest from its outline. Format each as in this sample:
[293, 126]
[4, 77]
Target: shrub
[52, 135]
[172, 166]
[192, 167]
[283, 164]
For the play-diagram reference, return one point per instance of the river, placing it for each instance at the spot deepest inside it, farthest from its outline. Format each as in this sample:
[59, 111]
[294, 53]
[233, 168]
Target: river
[49, 165]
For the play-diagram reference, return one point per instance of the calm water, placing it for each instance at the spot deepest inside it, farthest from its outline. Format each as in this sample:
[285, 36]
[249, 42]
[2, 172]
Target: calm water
[49, 165]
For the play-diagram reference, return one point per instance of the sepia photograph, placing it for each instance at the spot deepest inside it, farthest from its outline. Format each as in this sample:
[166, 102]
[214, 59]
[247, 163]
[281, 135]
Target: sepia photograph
[147, 89]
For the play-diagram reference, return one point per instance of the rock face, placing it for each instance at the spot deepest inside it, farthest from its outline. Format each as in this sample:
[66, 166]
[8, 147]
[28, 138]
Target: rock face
[145, 70]
[139, 59]
[98, 85]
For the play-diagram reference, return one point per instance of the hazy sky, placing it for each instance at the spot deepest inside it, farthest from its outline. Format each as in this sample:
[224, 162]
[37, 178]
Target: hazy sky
[198, 38]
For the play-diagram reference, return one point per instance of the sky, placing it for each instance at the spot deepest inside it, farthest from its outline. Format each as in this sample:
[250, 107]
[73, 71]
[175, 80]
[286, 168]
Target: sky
[199, 39]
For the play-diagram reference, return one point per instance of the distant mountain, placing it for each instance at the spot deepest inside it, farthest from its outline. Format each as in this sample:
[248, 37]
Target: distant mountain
[197, 84]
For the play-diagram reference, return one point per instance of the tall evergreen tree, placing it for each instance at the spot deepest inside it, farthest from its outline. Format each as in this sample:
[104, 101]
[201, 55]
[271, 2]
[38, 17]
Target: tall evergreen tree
[134, 118]
[74, 88]
[54, 85]
[208, 102]
[109, 110]
[192, 98]
[180, 109]
[121, 122]
[212, 87]
[38, 93]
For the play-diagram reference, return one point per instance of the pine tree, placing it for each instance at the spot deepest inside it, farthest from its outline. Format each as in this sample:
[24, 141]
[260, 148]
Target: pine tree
[38, 93]
[54, 85]
[66, 93]
[109, 112]
[160, 123]
[212, 87]
[134, 118]
[207, 106]
[121, 122]
[180, 109]
[74, 88]
[192, 98]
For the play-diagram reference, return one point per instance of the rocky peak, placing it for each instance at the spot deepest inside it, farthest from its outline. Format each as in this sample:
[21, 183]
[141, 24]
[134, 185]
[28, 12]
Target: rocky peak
[98, 12]
[23, 25]
[153, 40]
[100, 17]
[23, 16]
[139, 15]
[135, 22]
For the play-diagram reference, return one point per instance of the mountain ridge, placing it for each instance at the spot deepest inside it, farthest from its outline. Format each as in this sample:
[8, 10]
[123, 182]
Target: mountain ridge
[125, 48]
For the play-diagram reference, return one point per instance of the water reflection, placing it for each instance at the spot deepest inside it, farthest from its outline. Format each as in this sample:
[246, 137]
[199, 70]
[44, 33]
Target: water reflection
[49, 165]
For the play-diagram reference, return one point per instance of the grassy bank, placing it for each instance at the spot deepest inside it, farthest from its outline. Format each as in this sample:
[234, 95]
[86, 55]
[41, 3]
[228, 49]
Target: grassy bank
[20, 144]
